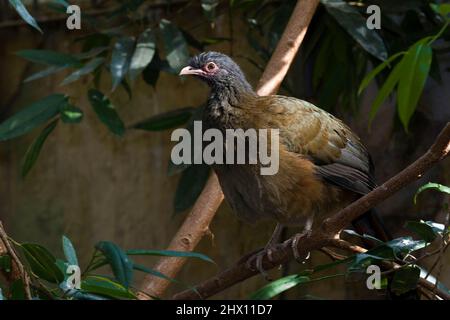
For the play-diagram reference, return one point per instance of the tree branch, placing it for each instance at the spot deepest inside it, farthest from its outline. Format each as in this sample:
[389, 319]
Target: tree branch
[212, 196]
[326, 235]
[17, 269]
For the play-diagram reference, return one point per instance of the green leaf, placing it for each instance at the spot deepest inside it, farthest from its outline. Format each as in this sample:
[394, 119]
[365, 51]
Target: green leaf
[442, 8]
[32, 116]
[121, 265]
[422, 229]
[5, 263]
[166, 120]
[23, 12]
[120, 60]
[278, 286]
[69, 251]
[86, 69]
[191, 184]
[153, 273]
[44, 73]
[49, 57]
[405, 245]
[405, 279]
[433, 186]
[106, 112]
[143, 55]
[375, 71]
[386, 89]
[355, 24]
[151, 72]
[35, 148]
[175, 45]
[42, 263]
[169, 253]
[71, 114]
[106, 287]
[416, 66]
[91, 53]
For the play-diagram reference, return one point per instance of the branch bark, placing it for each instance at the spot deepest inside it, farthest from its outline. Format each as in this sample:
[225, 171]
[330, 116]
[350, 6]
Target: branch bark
[198, 220]
[327, 234]
[17, 269]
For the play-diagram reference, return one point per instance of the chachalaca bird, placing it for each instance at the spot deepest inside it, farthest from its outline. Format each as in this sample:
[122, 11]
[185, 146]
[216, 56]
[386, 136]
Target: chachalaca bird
[323, 166]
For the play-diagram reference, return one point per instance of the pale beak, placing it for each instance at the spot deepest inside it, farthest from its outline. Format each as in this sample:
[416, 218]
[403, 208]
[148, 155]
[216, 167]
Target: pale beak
[190, 71]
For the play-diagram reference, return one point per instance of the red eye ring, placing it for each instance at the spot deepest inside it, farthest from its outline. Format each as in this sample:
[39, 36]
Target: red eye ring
[210, 66]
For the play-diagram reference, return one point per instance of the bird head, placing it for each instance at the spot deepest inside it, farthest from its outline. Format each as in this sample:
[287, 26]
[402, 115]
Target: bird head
[217, 70]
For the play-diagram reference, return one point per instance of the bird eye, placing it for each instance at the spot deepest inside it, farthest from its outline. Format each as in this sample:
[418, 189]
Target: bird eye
[211, 66]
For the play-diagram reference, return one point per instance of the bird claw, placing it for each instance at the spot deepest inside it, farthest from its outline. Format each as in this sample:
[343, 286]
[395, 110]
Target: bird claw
[294, 244]
[257, 261]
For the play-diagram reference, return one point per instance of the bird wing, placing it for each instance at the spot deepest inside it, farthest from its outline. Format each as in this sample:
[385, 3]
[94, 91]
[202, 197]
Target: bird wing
[337, 152]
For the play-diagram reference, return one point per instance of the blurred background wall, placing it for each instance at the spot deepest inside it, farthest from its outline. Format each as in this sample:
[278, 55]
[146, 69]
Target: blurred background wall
[92, 186]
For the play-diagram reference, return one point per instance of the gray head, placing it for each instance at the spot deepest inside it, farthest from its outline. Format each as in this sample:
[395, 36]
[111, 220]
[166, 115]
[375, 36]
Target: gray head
[218, 70]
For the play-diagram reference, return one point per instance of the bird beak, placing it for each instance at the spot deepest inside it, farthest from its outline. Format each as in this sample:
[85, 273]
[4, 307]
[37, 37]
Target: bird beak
[190, 71]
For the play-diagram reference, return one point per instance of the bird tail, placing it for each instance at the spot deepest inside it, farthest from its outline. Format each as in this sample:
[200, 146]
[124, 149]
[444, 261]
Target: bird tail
[370, 223]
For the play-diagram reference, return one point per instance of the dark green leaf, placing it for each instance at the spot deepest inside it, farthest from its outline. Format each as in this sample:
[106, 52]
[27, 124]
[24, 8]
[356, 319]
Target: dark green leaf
[386, 89]
[69, 251]
[433, 186]
[416, 66]
[31, 116]
[190, 186]
[48, 57]
[120, 61]
[153, 272]
[86, 69]
[278, 286]
[169, 253]
[106, 112]
[151, 72]
[375, 71]
[405, 279]
[71, 114]
[355, 24]
[5, 263]
[176, 47]
[405, 245]
[143, 55]
[106, 287]
[42, 262]
[35, 148]
[91, 53]
[166, 120]
[44, 73]
[422, 229]
[17, 290]
[23, 12]
[121, 265]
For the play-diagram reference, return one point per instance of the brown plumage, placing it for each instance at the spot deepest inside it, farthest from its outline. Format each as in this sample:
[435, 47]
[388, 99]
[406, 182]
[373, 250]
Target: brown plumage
[323, 164]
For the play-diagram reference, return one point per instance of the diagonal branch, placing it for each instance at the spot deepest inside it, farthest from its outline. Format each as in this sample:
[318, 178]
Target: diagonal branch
[197, 222]
[326, 235]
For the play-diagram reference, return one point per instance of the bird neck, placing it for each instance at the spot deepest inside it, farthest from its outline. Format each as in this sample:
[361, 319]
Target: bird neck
[231, 93]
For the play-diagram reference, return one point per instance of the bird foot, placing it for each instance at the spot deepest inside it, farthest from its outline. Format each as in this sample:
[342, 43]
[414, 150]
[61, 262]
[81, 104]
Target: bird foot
[255, 262]
[294, 243]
